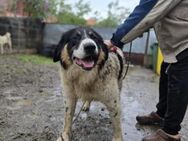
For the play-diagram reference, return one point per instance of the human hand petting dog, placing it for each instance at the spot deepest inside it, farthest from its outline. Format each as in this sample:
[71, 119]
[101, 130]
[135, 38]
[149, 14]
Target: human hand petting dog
[110, 46]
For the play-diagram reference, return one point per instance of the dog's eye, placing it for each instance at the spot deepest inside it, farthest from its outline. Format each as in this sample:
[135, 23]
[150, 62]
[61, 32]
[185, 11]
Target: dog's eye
[77, 36]
[78, 33]
[91, 34]
[74, 40]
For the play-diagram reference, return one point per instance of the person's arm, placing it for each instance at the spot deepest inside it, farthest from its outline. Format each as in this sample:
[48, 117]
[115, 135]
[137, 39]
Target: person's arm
[143, 17]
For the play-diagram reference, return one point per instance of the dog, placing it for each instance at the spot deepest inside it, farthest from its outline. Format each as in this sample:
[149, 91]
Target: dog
[90, 72]
[5, 40]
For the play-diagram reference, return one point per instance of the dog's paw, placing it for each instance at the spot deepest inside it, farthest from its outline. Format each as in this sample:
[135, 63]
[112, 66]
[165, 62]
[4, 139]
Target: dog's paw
[64, 137]
[60, 139]
[117, 139]
[86, 106]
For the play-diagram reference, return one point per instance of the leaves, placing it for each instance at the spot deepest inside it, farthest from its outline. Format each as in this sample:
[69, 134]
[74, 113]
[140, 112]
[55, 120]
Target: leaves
[73, 14]
[115, 15]
[69, 16]
[37, 8]
[82, 8]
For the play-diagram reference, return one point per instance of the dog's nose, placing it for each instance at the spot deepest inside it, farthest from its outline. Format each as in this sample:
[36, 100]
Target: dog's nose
[89, 49]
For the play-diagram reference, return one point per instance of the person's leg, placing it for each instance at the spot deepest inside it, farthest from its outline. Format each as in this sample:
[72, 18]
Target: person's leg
[177, 100]
[156, 118]
[163, 90]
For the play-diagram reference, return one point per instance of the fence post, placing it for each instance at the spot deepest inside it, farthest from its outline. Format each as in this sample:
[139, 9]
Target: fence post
[146, 58]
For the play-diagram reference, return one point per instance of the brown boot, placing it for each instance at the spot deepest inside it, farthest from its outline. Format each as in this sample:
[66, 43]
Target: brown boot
[151, 119]
[160, 135]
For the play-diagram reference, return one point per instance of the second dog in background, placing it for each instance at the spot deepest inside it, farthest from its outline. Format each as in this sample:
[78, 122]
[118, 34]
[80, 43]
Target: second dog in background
[5, 40]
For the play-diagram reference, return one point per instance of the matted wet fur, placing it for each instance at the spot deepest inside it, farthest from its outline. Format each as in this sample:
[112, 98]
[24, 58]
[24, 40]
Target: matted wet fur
[91, 73]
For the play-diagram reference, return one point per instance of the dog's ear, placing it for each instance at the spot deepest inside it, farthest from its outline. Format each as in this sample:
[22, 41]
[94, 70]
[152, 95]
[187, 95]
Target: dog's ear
[105, 50]
[57, 52]
[64, 40]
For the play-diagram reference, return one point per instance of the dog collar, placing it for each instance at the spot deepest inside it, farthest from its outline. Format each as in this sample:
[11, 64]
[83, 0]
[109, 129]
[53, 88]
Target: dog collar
[113, 49]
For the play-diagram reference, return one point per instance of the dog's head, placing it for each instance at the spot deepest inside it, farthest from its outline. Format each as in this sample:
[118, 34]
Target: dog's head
[81, 46]
[8, 34]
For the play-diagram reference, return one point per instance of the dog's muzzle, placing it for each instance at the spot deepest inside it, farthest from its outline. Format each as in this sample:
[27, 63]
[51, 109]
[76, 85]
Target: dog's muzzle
[90, 49]
[86, 54]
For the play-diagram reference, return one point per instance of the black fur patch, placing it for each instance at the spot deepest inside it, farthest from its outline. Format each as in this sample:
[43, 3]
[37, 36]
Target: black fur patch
[66, 109]
[115, 114]
[65, 38]
[63, 64]
[121, 65]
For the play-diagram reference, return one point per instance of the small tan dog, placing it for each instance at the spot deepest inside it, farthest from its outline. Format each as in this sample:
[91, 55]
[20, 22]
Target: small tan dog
[89, 72]
[5, 40]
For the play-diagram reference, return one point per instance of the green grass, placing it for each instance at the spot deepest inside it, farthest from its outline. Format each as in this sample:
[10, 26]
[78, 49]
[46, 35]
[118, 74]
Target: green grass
[35, 59]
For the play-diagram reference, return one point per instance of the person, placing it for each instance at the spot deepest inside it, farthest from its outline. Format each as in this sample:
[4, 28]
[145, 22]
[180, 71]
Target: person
[170, 21]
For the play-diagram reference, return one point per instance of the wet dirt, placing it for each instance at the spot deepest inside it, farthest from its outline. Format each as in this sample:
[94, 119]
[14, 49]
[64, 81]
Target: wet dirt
[31, 105]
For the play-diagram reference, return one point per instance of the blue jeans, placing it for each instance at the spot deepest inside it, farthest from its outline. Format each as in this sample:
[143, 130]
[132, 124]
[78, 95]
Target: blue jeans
[173, 95]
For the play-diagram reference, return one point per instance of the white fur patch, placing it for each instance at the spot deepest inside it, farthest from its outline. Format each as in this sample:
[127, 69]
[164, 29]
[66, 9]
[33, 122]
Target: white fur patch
[80, 53]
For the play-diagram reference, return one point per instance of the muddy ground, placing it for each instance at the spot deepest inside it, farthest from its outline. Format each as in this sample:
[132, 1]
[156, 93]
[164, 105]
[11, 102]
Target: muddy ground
[31, 107]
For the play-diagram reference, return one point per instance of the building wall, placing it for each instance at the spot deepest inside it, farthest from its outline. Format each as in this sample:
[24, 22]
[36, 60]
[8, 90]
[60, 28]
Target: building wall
[91, 22]
[3, 7]
[7, 9]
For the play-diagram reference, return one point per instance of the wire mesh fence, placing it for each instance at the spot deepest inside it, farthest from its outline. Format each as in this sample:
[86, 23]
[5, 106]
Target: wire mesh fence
[26, 33]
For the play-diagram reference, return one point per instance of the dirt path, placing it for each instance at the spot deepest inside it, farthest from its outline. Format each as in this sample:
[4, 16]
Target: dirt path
[32, 108]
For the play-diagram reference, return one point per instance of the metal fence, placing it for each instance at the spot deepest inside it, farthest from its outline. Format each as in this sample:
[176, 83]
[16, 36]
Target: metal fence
[26, 33]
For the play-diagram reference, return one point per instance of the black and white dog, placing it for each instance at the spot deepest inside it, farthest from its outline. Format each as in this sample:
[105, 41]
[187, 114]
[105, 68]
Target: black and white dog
[89, 72]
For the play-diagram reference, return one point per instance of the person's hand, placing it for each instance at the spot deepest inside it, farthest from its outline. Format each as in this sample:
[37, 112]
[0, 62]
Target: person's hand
[110, 46]
[108, 43]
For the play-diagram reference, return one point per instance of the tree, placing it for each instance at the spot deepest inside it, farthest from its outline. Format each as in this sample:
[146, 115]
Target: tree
[82, 8]
[69, 16]
[40, 8]
[35, 8]
[115, 15]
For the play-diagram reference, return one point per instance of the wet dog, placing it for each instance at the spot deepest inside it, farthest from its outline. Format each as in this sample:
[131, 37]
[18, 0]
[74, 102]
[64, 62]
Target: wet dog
[89, 72]
[5, 40]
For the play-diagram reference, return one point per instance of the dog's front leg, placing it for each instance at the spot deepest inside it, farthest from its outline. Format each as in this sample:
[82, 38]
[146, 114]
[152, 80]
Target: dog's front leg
[10, 47]
[70, 105]
[2, 50]
[115, 115]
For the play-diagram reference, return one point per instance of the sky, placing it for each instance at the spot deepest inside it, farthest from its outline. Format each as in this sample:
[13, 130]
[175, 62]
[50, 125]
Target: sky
[101, 5]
